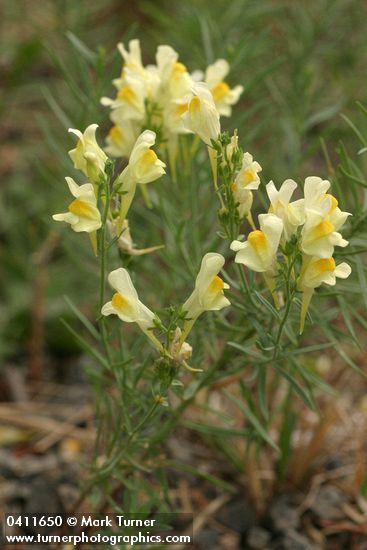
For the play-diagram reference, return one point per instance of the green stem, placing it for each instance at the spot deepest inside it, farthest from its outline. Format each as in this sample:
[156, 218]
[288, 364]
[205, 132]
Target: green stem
[105, 471]
[103, 256]
[244, 283]
[281, 327]
[290, 296]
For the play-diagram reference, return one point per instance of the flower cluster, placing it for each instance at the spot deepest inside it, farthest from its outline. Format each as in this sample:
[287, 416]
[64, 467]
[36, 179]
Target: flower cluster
[167, 98]
[102, 204]
[208, 295]
[307, 228]
[293, 245]
[83, 213]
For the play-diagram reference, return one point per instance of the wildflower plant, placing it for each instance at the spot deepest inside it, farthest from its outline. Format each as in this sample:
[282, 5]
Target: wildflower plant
[257, 270]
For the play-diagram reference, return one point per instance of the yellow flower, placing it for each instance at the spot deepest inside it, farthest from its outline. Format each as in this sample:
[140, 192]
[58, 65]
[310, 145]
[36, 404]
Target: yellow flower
[246, 180]
[202, 117]
[122, 136]
[318, 233]
[144, 167]
[315, 190]
[125, 302]
[172, 115]
[83, 214]
[318, 198]
[208, 294]
[132, 91]
[132, 56]
[260, 250]
[175, 81]
[223, 95]
[316, 271]
[87, 155]
[291, 213]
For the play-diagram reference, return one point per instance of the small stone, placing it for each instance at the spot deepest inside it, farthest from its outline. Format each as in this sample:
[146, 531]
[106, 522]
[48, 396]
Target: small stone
[239, 516]
[293, 540]
[43, 498]
[258, 538]
[329, 503]
[206, 538]
[283, 514]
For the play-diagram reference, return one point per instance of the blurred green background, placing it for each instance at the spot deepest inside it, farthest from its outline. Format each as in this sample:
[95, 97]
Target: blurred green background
[302, 64]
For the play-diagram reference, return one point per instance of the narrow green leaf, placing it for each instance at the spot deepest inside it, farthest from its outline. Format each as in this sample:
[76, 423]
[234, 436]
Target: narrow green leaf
[81, 48]
[83, 319]
[267, 304]
[250, 416]
[304, 394]
[87, 347]
[261, 392]
[199, 473]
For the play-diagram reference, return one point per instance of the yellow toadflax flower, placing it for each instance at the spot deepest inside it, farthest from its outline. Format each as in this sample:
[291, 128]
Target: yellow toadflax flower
[291, 213]
[132, 56]
[246, 181]
[122, 136]
[208, 294]
[316, 271]
[87, 155]
[315, 190]
[316, 197]
[132, 92]
[336, 216]
[202, 116]
[223, 95]
[260, 250]
[318, 233]
[126, 305]
[172, 116]
[83, 214]
[144, 167]
[175, 81]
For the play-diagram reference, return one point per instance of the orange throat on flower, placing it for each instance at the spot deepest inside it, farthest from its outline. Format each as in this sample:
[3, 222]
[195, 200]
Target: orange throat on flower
[178, 68]
[120, 303]
[257, 240]
[247, 176]
[323, 229]
[194, 104]
[181, 108]
[126, 93]
[115, 134]
[324, 265]
[217, 285]
[148, 159]
[220, 90]
[82, 209]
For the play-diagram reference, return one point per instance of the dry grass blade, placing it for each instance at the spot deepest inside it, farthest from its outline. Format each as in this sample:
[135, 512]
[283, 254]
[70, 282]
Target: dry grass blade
[202, 518]
[38, 423]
